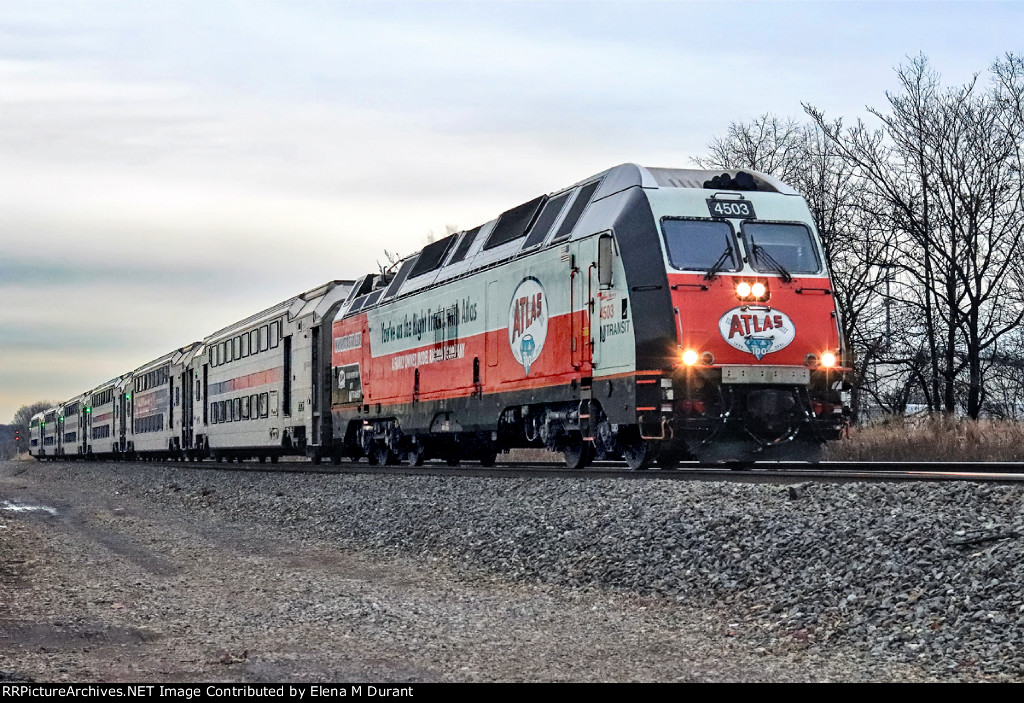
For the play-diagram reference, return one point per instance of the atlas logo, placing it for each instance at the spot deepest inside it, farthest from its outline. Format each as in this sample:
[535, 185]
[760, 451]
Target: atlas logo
[758, 332]
[527, 322]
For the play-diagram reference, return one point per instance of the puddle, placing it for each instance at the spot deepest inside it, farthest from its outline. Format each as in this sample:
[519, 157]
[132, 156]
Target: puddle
[23, 508]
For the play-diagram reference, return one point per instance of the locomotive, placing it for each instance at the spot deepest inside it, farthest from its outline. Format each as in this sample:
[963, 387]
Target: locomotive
[644, 313]
[648, 314]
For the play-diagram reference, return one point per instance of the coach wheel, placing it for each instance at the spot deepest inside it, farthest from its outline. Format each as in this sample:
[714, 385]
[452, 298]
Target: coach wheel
[273, 459]
[577, 453]
[262, 459]
[335, 458]
[316, 458]
[637, 453]
[452, 457]
[488, 457]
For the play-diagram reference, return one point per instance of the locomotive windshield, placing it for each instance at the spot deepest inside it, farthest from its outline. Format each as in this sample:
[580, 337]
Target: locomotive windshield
[781, 247]
[700, 245]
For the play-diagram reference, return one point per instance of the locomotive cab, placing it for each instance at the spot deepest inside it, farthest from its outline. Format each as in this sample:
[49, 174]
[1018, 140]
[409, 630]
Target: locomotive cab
[751, 350]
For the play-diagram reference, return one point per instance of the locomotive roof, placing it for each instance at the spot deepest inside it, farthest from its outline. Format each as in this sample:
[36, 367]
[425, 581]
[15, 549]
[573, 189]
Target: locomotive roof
[545, 220]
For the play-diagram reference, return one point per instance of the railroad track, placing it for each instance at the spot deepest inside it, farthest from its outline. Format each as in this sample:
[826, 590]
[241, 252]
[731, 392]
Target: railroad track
[780, 471]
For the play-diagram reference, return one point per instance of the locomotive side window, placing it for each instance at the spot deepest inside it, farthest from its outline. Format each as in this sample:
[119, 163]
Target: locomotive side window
[464, 245]
[576, 210]
[432, 256]
[700, 245]
[781, 246]
[513, 223]
[399, 278]
[539, 231]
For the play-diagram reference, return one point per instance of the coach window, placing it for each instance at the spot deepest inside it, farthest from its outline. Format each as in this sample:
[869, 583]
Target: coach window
[245, 407]
[254, 342]
[275, 334]
[263, 404]
[244, 345]
[264, 338]
[236, 348]
[700, 245]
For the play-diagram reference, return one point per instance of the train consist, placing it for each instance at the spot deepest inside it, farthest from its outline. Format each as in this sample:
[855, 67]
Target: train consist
[646, 314]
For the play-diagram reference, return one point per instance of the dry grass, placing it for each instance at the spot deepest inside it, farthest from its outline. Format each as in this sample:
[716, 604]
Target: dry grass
[932, 438]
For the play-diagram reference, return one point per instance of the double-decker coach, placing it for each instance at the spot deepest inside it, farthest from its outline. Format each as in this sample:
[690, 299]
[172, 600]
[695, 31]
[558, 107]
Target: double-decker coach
[103, 421]
[262, 384]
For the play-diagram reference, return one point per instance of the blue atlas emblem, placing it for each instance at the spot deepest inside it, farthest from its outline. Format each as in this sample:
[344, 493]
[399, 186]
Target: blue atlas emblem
[526, 347]
[759, 346]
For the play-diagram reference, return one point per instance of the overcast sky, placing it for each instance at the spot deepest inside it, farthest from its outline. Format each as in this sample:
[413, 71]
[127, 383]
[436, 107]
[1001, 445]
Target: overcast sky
[167, 168]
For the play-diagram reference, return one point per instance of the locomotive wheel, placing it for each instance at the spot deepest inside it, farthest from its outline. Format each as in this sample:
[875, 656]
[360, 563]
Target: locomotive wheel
[379, 455]
[415, 455]
[577, 453]
[637, 453]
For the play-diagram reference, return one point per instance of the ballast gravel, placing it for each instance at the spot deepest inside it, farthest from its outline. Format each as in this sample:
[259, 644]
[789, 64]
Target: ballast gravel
[148, 572]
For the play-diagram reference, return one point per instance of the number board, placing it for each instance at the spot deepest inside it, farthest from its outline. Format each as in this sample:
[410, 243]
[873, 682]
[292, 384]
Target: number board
[731, 208]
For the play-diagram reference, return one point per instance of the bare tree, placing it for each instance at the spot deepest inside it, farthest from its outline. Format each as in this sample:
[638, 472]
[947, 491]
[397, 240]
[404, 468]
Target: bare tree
[946, 166]
[20, 425]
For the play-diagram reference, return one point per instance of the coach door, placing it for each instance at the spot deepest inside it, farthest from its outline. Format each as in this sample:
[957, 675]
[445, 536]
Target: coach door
[316, 410]
[186, 409]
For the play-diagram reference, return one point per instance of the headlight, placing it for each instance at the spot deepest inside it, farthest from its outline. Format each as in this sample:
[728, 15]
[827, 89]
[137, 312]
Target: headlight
[757, 289]
[828, 359]
[743, 289]
[690, 357]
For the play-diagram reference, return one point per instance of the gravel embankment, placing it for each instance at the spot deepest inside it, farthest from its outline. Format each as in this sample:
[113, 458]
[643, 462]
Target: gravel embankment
[899, 581]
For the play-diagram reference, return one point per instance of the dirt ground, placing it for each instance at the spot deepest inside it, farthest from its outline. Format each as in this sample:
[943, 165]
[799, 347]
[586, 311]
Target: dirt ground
[99, 582]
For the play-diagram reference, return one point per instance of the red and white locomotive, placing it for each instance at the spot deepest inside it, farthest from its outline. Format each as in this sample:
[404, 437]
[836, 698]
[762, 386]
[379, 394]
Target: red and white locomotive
[643, 313]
